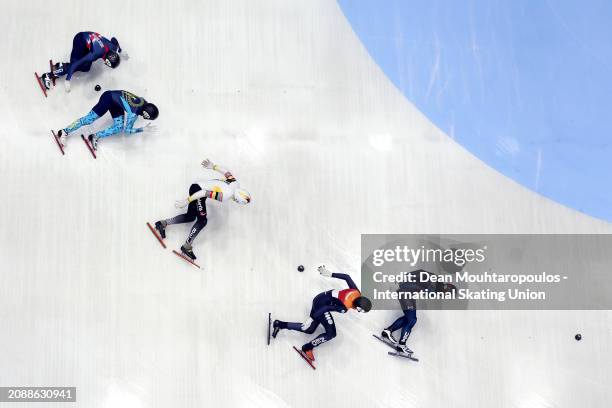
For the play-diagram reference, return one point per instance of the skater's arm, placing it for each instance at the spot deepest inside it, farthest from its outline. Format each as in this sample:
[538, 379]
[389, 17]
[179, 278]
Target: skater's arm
[207, 164]
[215, 195]
[129, 124]
[77, 64]
[345, 277]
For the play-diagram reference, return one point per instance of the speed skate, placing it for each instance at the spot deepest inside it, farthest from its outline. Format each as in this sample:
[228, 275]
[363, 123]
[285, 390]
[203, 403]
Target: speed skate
[395, 352]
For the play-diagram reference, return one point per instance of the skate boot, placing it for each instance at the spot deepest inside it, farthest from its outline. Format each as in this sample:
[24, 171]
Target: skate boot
[93, 139]
[309, 354]
[402, 348]
[186, 249]
[387, 335]
[276, 325]
[47, 80]
[61, 137]
[160, 226]
[59, 68]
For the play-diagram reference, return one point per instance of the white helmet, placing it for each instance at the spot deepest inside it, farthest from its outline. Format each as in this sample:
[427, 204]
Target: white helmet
[241, 196]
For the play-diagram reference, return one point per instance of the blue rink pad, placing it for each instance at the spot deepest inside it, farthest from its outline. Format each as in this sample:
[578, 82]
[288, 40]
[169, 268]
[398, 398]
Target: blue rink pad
[523, 85]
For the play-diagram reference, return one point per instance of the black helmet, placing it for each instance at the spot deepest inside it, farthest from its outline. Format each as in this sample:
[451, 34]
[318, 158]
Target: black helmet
[116, 42]
[362, 303]
[112, 59]
[150, 111]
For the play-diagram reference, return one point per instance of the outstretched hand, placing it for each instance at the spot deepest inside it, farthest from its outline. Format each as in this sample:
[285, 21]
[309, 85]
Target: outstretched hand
[324, 271]
[207, 164]
[67, 86]
[181, 203]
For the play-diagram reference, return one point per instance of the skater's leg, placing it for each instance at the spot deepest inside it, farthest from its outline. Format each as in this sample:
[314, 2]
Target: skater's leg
[327, 321]
[187, 247]
[96, 112]
[84, 67]
[195, 230]
[60, 69]
[116, 127]
[387, 334]
[79, 47]
[191, 214]
[118, 119]
[198, 209]
[409, 322]
[179, 219]
[309, 326]
[88, 119]
[397, 324]
[79, 51]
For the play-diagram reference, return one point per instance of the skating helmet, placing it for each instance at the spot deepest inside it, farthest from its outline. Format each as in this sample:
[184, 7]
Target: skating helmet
[362, 304]
[150, 111]
[241, 196]
[112, 59]
[116, 42]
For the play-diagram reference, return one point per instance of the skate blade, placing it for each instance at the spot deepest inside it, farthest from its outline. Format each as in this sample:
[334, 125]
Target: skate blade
[89, 146]
[387, 343]
[42, 87]
[306, 359]
[154, 232]
[408, 356]
[269, 327]
[185, 258]
[51, 71]
[58, 142]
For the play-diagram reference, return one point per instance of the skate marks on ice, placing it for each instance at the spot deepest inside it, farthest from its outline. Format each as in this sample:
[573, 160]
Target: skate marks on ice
[58, 142]
[396, 353]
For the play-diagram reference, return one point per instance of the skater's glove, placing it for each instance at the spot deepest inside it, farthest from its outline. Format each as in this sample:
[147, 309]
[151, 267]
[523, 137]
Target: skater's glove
[324, 271]
[67, 85]
[181, 203]
[207, 164]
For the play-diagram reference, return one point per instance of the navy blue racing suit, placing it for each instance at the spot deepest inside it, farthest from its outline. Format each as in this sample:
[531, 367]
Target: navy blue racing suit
[87, 47]
[320, 313]
[409, 319]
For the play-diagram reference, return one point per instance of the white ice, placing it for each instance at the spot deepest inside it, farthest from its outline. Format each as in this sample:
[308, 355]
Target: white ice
[282, 93]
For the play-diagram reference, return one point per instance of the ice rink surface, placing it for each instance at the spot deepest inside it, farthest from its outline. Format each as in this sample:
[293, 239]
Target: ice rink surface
[283, 94]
